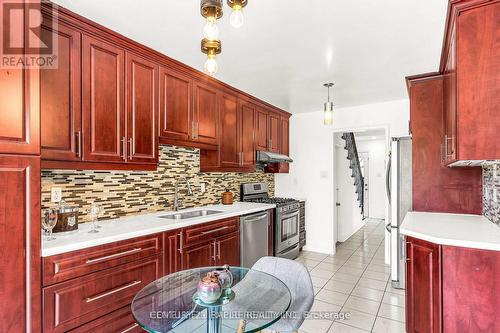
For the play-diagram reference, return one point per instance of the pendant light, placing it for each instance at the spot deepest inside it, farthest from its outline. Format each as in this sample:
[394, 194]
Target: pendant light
[211, 10]
[328, 107]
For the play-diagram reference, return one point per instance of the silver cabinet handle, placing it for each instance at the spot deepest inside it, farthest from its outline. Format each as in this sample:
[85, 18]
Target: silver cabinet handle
[130, 328]
[215, 230]
[124, 148]
[113, 291]
[120, 254]
[181, 245]
[214, 257]
[79, 144]
[218, 250]
[131, 148]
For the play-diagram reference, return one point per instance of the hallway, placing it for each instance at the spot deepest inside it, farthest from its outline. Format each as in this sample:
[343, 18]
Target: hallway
[355, 281]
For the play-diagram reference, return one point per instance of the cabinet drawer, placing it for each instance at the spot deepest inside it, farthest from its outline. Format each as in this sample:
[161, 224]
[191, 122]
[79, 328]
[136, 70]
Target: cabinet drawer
[119, 321]
[72, 303]
[66, 266]
[210, 230]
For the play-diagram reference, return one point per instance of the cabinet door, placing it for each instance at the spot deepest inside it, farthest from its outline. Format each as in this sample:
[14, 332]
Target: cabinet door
[172, 259]
[247, 111]
[60, 98]
[205, 114]
[274, 132]
[423, 287]
[261, 130]
[142, 106]
[19, 100]
[450, 105]
[471, 286]
[285, 143]
[200, 255]
[120, 320]
[228, 250]
[478, 96]
[229, 141]
[103, 101]
[176, 120]
[20, 244]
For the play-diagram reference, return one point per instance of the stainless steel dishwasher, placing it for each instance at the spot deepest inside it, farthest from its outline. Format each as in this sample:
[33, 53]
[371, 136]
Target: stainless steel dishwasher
[253, 237]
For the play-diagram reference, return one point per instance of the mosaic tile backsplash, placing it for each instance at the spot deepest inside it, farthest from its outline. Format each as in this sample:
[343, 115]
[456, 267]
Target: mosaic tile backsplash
[125, 193]
[491, 192]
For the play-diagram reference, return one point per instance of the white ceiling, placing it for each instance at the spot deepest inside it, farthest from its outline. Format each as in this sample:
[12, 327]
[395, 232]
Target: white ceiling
[288, 48]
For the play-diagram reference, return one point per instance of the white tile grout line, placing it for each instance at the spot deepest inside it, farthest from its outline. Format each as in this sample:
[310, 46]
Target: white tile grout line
[371, 257]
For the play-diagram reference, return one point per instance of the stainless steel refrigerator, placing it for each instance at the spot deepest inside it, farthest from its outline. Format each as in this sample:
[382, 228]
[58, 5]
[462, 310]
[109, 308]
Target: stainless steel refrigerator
[399, 191]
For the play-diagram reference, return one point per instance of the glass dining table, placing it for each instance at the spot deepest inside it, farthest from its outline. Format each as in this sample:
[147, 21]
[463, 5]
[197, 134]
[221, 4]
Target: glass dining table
[168, 305]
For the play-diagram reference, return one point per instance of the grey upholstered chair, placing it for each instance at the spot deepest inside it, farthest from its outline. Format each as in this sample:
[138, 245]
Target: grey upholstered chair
[296, 277]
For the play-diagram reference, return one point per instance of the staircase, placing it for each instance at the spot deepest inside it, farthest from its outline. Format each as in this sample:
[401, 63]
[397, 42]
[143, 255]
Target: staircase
[352, 156]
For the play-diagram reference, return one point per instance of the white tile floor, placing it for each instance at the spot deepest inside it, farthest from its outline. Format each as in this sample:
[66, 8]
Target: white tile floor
[356, 281]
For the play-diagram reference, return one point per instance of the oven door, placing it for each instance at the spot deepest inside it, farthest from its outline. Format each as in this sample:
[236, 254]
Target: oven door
[287, 230]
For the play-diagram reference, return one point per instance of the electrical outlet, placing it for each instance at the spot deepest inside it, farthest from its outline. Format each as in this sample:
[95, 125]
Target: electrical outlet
[56, 194]
[203, 187]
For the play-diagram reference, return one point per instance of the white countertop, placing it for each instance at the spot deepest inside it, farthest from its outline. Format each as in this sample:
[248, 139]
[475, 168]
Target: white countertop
[473, 231]
[140, 225]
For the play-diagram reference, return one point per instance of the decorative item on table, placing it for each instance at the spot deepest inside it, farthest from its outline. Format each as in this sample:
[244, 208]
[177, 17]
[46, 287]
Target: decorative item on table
[209, 289]
[225, 278]
[49, 221]
[67, 218]
[227, 197]
[94, 212]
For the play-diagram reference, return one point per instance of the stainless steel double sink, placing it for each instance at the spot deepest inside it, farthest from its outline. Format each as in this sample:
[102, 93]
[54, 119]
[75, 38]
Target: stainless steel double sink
[191, 214]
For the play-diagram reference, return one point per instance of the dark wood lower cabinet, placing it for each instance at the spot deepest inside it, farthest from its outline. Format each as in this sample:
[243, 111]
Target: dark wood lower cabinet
[119, 321]
[20, 244]
[91, 290]
[423, 287]
[228, 250]
[70, 304]
[451, 289]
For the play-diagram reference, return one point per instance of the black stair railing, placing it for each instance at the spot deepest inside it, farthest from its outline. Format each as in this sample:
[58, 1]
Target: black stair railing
[355, 166]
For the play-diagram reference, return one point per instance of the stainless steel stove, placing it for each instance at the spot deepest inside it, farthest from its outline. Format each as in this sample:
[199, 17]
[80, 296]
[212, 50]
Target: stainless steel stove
[286, 218]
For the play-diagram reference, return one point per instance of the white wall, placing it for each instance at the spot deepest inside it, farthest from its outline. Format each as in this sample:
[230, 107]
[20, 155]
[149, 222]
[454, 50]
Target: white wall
[349, 218]
[312, 148]
[376, 150]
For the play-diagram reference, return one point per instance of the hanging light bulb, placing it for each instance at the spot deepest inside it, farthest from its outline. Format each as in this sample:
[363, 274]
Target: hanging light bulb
[237, 19]
[211, 31]
[328, 107]
[211, 48]
[211, 66]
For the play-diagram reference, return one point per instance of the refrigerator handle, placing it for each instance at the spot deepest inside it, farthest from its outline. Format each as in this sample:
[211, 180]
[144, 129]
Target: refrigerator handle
[388, 178]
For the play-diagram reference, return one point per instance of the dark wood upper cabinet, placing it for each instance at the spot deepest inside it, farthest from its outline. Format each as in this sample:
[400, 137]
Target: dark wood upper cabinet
[472, 87]
[261, 129]
[247, 135]
[20, 244]
[142, 109]
[230, 122]
[274, 132]
[205, 115]
[60, 97]
[423, 287]
[103, 101]
[285, 136]
[19, 104]
[176, 89]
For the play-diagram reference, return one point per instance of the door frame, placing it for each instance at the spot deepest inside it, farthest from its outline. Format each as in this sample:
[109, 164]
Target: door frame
[354, 129]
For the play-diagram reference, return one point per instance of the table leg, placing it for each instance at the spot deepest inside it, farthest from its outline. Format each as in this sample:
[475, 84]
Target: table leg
[214, 321]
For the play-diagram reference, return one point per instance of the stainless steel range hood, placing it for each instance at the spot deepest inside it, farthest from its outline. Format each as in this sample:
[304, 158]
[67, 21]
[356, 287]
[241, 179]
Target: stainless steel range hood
[265, 157]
